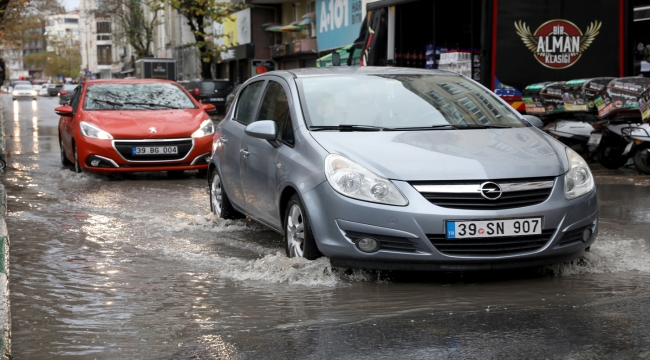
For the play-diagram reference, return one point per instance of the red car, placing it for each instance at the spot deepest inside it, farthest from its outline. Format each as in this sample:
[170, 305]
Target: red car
[133, 126]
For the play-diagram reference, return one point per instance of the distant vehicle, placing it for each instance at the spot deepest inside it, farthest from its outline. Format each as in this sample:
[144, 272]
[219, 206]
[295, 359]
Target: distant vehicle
[24, 91]
[155, 68]
[137, 125]
[21, 82]
[231, 97]
[43, 90]
[396, 168]
[211, 92]
[54, 89]
[184, 83]
[66, 93]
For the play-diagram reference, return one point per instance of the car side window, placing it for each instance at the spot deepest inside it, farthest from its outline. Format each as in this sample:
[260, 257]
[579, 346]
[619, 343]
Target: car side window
[275, 106]
[246, 104]
[74, 102]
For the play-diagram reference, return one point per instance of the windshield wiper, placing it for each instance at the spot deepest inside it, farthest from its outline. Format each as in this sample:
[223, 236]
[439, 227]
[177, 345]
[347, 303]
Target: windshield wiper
[346, 127]
[418, 128]
[476, 126]
[151, 104]
[113, 103]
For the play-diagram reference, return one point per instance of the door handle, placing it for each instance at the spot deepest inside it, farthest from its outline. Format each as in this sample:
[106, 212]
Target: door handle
[245, 153]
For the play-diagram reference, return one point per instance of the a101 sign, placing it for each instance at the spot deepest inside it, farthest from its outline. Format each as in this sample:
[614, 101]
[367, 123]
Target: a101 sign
[339, 22]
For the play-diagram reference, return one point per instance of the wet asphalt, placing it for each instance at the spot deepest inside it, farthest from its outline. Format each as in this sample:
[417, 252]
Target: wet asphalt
[135, 267]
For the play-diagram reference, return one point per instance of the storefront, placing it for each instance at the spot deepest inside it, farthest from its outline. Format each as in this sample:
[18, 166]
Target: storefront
[505, 44]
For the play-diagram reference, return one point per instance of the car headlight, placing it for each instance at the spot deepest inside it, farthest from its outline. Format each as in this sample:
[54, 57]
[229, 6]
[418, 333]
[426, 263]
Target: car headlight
[206, 128]
[355, 181]
[34, 92]
[578, 180]
[92, 131]
[14, 93]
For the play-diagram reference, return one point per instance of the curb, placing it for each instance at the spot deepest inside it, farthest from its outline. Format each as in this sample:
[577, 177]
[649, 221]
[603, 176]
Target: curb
[5, 315]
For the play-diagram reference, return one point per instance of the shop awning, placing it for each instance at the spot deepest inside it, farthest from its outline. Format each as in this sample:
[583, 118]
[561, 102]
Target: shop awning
[326, 60]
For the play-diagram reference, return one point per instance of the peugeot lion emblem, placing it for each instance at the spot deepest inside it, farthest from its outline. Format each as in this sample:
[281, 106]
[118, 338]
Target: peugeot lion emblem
[152, 130]
[490, 190]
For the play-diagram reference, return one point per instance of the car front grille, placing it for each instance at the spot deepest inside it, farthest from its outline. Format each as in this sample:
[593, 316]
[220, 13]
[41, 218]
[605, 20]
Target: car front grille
[466, 195]
[392, 243]
[497, 246]
[125, 149]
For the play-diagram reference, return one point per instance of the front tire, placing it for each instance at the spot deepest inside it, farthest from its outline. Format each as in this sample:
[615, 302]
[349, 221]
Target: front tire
[219, 202]
[612, 157]
[64, 159]
[77, 168]
[642, 160]
[298, 237]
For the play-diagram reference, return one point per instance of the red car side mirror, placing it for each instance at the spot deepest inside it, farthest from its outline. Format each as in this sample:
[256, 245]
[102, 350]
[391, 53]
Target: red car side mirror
[65, 110]
[208, 107]
[195, 92]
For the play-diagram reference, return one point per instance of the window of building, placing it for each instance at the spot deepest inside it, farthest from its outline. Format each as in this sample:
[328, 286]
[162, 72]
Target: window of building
[103, 27]
[104, 55]
[71, 21]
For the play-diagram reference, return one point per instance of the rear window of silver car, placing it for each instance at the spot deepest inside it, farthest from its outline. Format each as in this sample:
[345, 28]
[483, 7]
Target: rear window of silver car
[408, 100]
[136, 97]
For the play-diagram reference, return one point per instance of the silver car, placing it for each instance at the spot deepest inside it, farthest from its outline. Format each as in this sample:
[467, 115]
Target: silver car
[390, 168]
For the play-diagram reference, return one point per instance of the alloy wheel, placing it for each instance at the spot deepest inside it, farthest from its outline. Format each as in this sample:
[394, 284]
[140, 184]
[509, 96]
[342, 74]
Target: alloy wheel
[215, 193]
[296, 232]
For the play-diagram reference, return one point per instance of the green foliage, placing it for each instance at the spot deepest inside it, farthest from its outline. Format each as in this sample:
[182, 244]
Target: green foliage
[200, 14]
[66, 63]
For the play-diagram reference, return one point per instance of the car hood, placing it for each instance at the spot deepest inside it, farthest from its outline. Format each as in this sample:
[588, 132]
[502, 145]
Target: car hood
[145, 124]
[477, 154]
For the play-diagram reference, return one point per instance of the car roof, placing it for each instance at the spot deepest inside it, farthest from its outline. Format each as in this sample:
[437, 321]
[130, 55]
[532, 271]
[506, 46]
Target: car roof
[357, 70]
[129, 81]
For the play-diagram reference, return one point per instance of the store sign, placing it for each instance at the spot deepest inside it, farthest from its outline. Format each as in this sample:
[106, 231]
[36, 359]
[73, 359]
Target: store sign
[557, 44]
[235, 30]
[339, 22]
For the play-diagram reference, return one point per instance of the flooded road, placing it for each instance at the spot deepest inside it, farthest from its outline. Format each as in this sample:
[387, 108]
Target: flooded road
[135, 267]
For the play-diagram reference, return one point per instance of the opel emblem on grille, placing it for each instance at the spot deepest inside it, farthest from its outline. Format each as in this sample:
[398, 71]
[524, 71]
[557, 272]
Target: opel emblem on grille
[490, 190]
[152, 130]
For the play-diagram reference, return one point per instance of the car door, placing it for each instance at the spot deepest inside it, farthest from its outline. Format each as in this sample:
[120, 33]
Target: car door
[232, 132]
[258, 164]
[68, 122]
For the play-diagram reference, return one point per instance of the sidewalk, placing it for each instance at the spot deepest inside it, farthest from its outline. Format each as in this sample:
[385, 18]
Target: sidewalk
[5, 315]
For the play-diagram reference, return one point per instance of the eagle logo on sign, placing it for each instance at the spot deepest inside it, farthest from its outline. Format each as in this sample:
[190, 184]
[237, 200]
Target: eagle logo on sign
[558, 44]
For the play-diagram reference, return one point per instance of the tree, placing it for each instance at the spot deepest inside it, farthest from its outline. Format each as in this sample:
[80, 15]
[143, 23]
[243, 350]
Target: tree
[134, 23]
[64, 59]
[200, 14]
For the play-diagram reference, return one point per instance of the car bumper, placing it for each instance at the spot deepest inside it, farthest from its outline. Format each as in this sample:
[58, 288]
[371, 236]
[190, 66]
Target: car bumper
[333, 217]
[110, 161]
[16, 97]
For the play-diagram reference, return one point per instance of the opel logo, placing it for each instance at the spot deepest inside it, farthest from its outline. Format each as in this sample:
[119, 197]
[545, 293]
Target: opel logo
[152, 130]
[490, 190]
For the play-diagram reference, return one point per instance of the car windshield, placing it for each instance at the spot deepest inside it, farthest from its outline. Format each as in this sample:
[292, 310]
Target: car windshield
[401, 101]
[23, 87]
[69, 87]
[136, 97]
[211, 86]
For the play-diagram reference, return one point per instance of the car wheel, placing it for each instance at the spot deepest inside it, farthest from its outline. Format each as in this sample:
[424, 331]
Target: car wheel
[642, 160]
[77, 168]
[219, 202]
[612, 157]
[64, 159]
[299, 240]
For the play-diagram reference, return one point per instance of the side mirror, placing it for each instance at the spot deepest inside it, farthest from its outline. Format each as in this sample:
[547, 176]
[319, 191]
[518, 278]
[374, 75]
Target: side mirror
[208, 108]
[263, 129]
[534, 121]
[195, 92]
[65, 110]
[336, 59]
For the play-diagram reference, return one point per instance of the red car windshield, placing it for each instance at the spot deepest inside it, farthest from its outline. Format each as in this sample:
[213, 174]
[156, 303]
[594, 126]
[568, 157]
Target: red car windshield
[136, 97]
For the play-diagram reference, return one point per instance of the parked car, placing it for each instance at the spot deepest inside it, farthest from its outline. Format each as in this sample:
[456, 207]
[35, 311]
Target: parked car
[211, 92]
[136, 125]
[43, 90]
[66, 92]
[390, 168]
[23, 91]
[54, 89]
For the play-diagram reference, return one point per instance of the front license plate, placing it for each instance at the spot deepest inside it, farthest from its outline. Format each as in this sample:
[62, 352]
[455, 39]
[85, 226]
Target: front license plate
[493, 228]
[154, 150]
[594, 139]
[216, 99]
